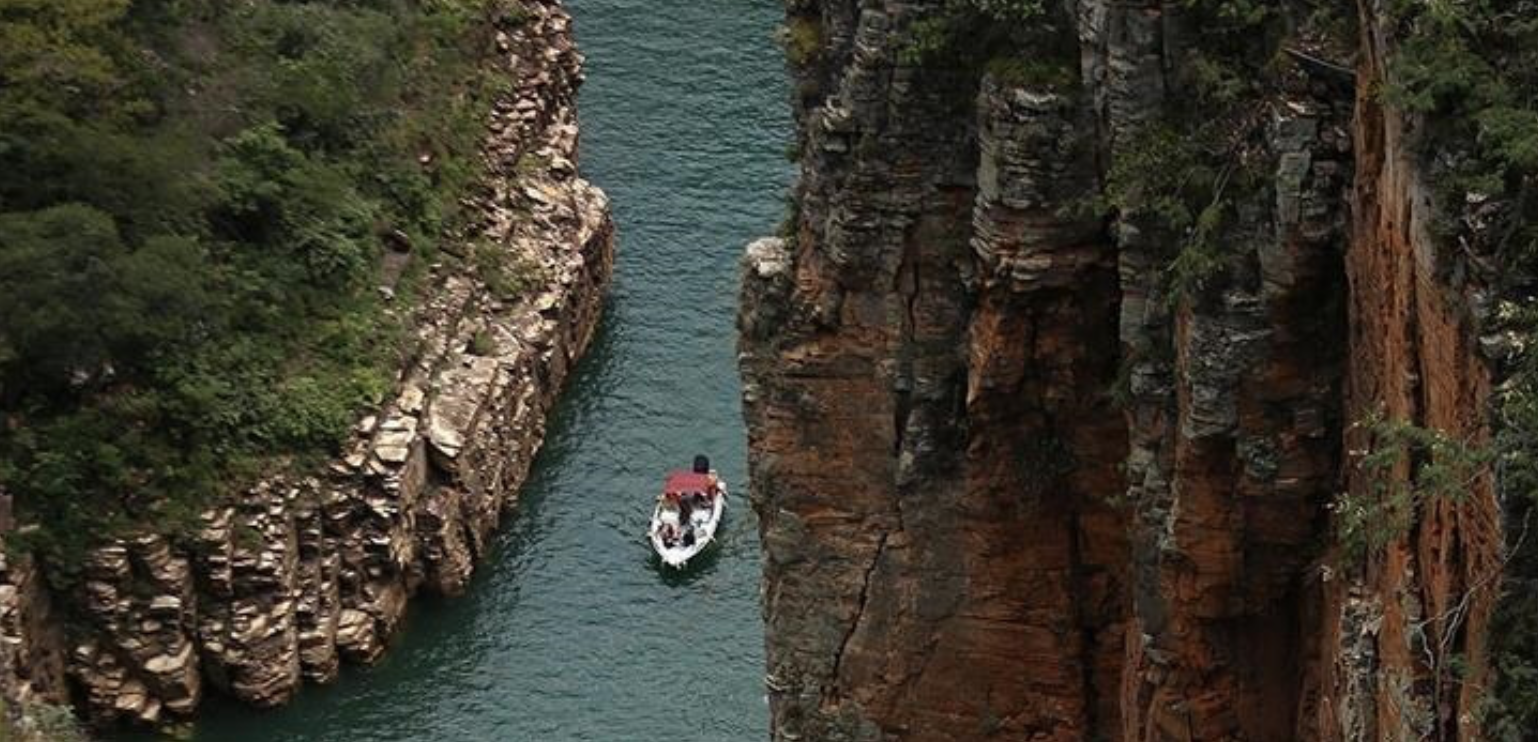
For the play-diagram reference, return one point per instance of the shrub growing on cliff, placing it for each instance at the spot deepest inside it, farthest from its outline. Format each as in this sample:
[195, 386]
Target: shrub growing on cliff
[508, 275]
[1185, 177]
[968, 32]
[1200, 261]
[1233, 15]
[1158, 174]
[1161, 179]
[1472, 70]
[802, 40]
[1406, 467]
[1033, 72]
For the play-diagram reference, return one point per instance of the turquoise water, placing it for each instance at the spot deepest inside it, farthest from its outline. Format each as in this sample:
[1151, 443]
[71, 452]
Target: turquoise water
[569, 631]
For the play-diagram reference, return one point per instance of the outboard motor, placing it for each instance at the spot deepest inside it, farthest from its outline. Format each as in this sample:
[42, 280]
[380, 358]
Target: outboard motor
[702, 464]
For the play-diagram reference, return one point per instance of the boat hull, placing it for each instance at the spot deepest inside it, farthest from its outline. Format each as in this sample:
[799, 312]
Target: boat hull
[704, 533]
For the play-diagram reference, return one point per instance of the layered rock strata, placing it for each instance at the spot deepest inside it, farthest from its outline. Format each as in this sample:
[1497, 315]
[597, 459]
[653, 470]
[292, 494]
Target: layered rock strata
[1016, 482]
[301, 572]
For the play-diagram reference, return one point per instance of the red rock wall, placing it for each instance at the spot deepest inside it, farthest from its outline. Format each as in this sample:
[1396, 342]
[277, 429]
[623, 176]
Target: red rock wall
[967, 537]
[919, 360]
[1397, 624]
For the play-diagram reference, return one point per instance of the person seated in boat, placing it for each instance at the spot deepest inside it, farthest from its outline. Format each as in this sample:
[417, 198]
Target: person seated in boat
[673, 501]
[671, 516]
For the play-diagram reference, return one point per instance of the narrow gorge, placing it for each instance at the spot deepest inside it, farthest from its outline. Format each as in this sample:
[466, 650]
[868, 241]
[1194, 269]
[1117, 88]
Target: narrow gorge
[1121, 370]
[294, 438]
[1147, 371]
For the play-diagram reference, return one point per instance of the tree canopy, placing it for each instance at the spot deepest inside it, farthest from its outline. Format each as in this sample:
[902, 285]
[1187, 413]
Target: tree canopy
[191, 201]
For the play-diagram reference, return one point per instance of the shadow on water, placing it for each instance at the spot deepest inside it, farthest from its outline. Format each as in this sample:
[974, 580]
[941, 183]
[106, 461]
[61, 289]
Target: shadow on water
[698, 568]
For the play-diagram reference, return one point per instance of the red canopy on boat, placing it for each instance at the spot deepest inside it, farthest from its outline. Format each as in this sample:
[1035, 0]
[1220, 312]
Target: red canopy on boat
[688, 481]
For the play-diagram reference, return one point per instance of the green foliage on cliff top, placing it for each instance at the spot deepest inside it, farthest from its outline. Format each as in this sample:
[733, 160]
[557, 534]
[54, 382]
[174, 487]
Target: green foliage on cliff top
[1186, 174]
[1232, 15]
[191, 198]
[1472, 70]
[1164, 180]
[1031, 72]
[970, 32]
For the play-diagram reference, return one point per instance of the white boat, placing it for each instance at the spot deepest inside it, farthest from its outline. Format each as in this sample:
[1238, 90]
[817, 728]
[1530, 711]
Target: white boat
[687, 515]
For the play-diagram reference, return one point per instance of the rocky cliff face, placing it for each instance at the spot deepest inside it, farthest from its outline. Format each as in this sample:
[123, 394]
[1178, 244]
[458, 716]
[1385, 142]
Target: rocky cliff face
[1031, 469]
[1396, 628]
[300, 573]
[32, 643]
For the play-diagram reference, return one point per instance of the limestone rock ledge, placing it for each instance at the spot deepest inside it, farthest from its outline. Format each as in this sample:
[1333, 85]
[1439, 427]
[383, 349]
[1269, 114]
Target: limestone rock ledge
[299, 573]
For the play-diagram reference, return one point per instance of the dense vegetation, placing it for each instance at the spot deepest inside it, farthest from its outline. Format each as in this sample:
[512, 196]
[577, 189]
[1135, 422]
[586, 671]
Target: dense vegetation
[193, 199]
[970, 33]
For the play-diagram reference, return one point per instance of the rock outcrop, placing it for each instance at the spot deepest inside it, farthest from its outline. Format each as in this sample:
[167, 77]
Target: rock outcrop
[32, 642]
[33, 647]
[1025, 473]
[301, 572]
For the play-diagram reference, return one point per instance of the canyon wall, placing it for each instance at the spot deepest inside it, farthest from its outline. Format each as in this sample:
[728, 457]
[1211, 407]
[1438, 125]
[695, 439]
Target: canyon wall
[1406, 634]
[301, 572]
[1032, 462]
